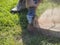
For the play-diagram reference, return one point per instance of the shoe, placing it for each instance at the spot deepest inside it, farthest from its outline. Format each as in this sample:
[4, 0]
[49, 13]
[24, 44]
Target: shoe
[20, 5]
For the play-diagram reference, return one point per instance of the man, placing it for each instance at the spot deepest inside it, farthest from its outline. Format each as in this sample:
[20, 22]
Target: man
[31, 6]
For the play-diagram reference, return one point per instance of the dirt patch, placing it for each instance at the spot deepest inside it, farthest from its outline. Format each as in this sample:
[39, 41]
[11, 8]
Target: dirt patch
[49, 22]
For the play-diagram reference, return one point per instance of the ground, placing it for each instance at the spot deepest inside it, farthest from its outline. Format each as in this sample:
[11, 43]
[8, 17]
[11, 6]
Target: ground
[13, 26]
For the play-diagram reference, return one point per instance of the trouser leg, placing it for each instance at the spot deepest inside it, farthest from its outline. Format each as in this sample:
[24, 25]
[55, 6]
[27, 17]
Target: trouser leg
[30, 18]
[31, 11]
[30, 14]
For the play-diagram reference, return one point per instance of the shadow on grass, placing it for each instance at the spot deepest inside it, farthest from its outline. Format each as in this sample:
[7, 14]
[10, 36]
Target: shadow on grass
[34, 39]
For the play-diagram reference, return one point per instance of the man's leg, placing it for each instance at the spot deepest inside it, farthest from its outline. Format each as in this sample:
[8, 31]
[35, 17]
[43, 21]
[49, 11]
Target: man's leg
[31, 14]
[30, 18]
[19, 6]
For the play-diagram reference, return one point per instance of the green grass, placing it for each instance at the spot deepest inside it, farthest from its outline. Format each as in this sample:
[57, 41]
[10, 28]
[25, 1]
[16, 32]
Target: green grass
[13, 26]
